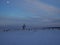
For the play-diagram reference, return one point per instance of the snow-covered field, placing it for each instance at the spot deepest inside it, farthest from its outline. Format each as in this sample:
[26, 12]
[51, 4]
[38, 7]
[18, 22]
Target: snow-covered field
[40, 37]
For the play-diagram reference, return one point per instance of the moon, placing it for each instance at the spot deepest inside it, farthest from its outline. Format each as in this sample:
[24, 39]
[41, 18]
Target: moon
[7, 2]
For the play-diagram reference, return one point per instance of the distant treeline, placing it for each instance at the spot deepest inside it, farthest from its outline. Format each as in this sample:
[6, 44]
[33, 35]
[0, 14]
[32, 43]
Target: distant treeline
[14, 28]
[52, 28]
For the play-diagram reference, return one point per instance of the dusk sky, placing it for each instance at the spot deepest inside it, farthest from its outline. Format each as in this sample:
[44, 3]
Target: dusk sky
[30, 12]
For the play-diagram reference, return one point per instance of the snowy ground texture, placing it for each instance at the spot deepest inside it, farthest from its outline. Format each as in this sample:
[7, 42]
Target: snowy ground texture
[40, 37]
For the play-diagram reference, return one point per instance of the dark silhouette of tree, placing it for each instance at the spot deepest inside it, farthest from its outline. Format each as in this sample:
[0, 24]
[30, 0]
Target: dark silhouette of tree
[24, 27]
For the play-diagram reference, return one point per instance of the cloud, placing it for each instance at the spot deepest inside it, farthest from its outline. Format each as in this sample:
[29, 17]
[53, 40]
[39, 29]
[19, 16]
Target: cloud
[35, 6]
[43, 6]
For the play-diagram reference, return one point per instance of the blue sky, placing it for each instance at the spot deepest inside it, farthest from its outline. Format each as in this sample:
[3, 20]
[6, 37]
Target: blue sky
[30, 12]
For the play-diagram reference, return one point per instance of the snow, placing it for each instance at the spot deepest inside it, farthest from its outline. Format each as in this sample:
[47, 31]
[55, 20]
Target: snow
[40, 37]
